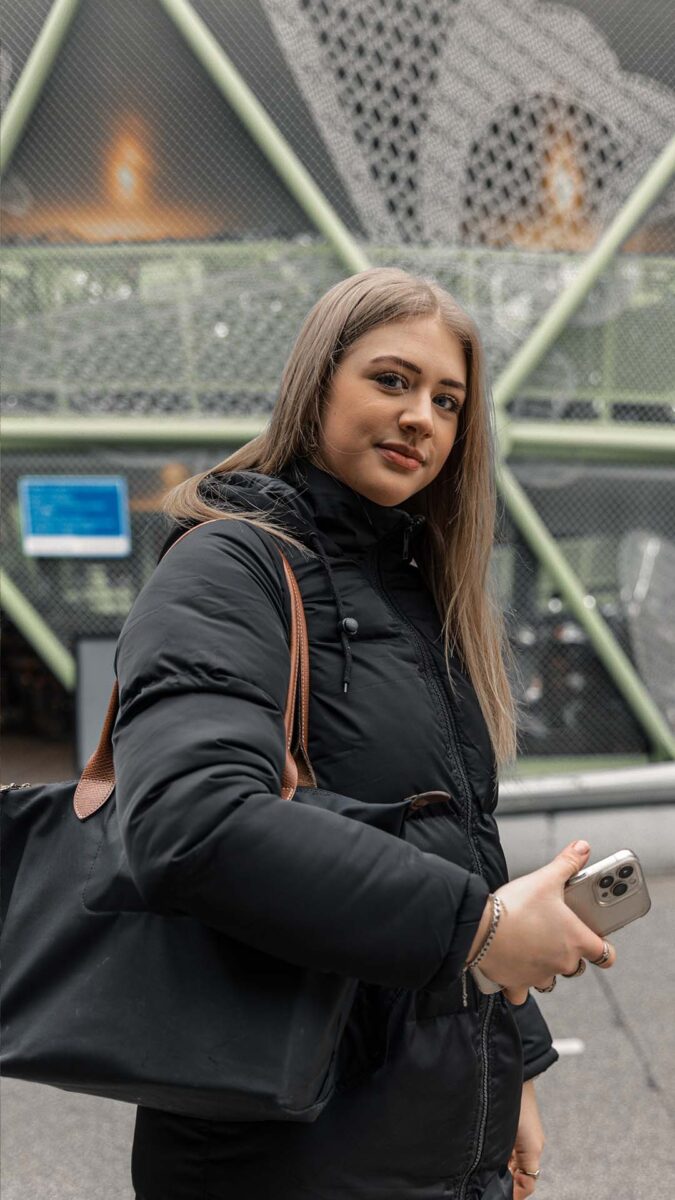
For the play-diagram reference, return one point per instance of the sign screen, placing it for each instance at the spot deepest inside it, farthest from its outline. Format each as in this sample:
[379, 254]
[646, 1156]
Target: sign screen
[70, 516]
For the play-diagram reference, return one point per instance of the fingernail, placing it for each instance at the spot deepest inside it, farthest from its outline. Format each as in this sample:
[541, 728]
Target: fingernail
[581, 847]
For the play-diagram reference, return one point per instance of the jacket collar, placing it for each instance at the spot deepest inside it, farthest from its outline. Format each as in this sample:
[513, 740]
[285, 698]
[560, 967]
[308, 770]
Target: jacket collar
[345, 519]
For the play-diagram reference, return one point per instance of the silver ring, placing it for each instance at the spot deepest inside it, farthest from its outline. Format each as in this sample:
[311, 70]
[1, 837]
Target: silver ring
[550, 986]
[532, 1174]
[604, 957]
[579, 971]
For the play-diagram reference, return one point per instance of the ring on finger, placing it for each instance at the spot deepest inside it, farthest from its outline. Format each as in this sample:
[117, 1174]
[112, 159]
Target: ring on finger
[581, 967]
[604, 957]
[532, 1174]
[550, 986]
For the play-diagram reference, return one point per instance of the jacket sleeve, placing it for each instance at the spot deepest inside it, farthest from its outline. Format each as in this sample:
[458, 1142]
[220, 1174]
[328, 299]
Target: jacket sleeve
[538, 1051]
[199, 744]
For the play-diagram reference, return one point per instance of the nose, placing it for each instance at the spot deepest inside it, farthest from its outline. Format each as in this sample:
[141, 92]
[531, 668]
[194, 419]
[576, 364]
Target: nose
[417, 412]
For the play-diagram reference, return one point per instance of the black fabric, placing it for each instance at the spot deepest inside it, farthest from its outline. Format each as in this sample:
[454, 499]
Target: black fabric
[538, 1051]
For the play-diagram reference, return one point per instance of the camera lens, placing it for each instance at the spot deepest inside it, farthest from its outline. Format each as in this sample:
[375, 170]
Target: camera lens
[625, 872]
[619, 889]
[606, 881]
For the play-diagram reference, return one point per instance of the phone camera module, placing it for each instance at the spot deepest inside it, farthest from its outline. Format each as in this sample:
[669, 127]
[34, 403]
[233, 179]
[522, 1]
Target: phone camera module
[606, 881]
[619, 889]
[625, 872]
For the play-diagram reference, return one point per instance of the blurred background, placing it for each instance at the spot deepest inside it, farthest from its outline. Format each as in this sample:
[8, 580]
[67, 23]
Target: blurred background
[181, 181]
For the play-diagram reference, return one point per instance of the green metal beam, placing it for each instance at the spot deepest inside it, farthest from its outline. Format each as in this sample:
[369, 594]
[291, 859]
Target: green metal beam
[59, 660]
[265, 133]
[262, 250]
[159, 431]
[638, 443]
[606, 396]
[616, 662]
[530, 354]
[28, 89]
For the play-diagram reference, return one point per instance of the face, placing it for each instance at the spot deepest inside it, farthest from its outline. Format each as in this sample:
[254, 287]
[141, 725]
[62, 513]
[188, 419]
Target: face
[400, 385]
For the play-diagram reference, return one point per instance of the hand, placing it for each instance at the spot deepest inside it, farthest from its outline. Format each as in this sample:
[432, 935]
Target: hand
[529, 1144]
[538, 936]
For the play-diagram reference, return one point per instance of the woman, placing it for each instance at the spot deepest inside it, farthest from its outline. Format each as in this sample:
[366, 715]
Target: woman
[375, 475]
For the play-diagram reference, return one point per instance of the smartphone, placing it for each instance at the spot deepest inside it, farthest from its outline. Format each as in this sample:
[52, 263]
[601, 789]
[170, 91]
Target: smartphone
[606, 896]
[610, 893]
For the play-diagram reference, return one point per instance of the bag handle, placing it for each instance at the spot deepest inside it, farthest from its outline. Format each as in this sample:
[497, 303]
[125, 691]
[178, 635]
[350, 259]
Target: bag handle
[98, 778]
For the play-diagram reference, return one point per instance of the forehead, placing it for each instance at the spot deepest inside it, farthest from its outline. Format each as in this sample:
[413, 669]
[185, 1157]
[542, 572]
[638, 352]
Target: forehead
[425, 341]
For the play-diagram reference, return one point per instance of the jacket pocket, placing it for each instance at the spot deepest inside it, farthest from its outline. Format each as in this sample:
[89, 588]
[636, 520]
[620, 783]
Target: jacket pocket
[412, 1117]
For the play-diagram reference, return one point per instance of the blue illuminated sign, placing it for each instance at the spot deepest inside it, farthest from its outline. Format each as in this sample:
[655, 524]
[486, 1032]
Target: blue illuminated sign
[70, 516]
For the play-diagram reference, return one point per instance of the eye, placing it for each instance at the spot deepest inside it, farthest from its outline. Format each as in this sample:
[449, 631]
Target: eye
[453, 404]
[395, 382]
[392, 380]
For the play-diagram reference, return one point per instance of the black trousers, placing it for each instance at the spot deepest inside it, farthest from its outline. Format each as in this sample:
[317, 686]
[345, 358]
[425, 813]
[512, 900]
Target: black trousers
[179, 1158]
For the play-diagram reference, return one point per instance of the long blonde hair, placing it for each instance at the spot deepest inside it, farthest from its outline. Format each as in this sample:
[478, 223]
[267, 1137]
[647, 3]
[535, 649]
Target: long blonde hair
[459, 504]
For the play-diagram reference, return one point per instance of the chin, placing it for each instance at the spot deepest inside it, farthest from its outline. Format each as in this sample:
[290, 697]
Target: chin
[389, 496]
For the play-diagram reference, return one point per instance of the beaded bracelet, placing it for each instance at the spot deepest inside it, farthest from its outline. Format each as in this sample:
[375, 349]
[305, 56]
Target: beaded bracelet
[496, 914]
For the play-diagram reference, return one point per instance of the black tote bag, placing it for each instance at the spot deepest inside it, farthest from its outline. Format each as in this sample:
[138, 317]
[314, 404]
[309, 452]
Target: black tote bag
[101, 996]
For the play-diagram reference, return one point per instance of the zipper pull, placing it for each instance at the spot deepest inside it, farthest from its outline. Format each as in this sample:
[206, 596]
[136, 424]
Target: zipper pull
[406, 544]
[465, 994]
[412, 527]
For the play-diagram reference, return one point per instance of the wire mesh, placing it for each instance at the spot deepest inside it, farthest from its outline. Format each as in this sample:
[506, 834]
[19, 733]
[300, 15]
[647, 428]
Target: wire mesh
[155, 263]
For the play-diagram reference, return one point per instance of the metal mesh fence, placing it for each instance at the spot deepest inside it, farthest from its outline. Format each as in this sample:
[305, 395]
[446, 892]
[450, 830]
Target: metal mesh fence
[207, 330]
[610, 521]
[616, 525]
[155, 263]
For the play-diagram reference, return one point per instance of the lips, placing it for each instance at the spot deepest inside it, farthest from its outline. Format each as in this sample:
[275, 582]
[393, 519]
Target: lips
[408, 458]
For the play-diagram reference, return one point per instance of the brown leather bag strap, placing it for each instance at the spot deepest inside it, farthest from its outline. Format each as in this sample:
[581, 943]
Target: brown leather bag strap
[98, 778]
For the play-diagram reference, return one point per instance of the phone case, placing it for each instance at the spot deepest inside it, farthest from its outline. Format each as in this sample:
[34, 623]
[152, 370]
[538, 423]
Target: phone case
[610, 893]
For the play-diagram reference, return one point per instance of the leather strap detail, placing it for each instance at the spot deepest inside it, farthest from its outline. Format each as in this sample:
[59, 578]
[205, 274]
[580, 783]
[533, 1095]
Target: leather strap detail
[97, 781]
[423, 798]
[98, 778]
[298, 770]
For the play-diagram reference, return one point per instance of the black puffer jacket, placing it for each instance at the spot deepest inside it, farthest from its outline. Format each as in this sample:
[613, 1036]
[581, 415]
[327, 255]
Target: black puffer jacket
[428, 1100]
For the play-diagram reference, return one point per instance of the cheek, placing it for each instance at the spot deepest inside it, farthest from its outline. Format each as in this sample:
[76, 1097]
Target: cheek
[352, 418]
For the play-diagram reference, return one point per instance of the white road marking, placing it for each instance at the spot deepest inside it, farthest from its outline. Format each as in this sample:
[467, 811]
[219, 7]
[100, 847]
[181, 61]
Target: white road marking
[569, 1045]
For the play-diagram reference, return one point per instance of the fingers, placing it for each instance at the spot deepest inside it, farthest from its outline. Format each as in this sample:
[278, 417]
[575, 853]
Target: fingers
[590, 945]
[593, 947]
[523, 1186]
[606, 958]
[570, 860]
[548, 985]
[517, 995]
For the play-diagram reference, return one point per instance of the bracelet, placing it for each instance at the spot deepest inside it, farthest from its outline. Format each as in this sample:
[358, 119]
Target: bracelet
[496, 914]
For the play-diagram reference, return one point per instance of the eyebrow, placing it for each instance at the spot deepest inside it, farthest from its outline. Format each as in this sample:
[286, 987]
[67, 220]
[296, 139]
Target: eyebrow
[453, 383]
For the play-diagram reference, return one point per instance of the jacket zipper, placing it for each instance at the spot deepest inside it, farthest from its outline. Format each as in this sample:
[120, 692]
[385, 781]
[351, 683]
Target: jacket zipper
[485, 1083]
[451, 727]
[446, 709]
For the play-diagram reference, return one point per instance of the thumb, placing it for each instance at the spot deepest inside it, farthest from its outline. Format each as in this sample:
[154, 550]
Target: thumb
[570, 860]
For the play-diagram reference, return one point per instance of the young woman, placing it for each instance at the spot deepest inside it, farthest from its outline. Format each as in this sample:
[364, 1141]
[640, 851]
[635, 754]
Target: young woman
[375, 474]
